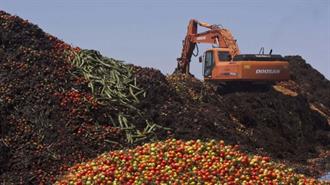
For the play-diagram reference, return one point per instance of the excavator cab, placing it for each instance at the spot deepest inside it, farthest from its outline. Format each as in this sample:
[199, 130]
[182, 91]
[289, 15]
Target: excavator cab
[212, 57]
[209, 58]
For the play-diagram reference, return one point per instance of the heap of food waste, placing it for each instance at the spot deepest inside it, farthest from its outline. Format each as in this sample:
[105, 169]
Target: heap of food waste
[62, 106]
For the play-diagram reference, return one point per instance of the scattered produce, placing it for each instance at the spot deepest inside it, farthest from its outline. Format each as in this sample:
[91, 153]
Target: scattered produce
[182, 162]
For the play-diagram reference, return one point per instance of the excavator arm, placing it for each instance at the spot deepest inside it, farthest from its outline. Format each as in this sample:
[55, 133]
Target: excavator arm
[215, 35]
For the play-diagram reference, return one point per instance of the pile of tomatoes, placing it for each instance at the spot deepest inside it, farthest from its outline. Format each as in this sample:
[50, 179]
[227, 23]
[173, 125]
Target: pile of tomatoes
[182, 162]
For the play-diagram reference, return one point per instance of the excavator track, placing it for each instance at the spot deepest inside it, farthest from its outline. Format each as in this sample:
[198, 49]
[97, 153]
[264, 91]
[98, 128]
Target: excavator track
[242, 86]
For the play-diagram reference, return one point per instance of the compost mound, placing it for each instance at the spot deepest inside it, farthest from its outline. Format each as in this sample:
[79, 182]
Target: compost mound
[49, 120]
[312, 83]
[46, 122]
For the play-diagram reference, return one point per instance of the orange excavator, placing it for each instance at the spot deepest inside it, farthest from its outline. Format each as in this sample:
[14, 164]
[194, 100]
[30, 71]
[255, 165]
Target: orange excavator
[224, 63]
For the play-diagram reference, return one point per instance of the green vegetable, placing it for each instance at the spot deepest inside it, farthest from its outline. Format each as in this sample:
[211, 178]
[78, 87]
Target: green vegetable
[113, 83]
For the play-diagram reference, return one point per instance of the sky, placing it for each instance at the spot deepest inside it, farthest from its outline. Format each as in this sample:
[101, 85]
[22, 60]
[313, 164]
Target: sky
[150, 32]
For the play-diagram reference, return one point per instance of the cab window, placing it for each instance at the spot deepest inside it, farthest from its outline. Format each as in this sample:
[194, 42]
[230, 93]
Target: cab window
[208, 59]
[208, 63]
[224, 56]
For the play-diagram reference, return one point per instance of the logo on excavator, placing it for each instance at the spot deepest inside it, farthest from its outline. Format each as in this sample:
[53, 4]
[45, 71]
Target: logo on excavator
[201, 38]
[268, 71]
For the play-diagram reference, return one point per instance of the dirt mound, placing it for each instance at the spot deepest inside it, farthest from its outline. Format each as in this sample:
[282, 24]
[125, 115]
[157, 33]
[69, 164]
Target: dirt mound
[312, 83]
[283, 126]
[49, 119]
[4, 151]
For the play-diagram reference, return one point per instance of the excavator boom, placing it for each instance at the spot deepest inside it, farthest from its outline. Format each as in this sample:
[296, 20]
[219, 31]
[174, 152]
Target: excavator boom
[215, 35]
